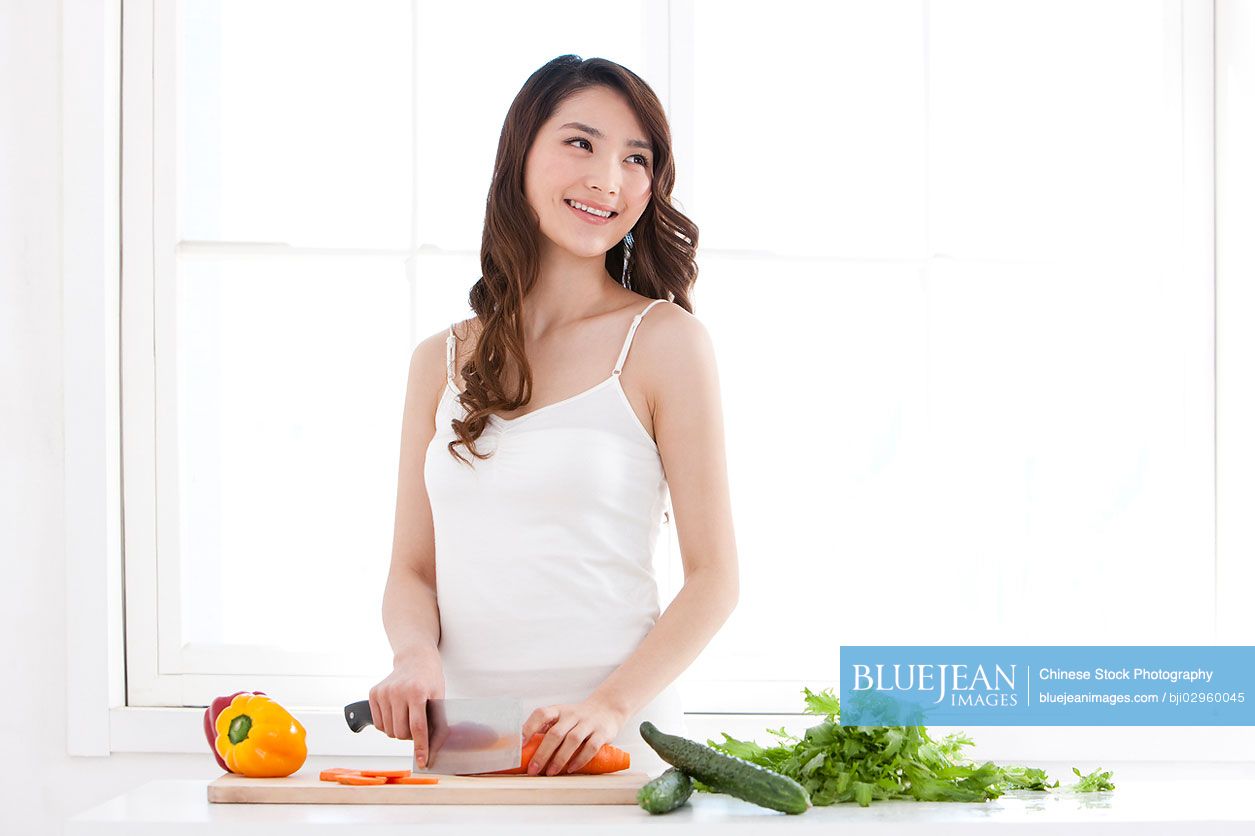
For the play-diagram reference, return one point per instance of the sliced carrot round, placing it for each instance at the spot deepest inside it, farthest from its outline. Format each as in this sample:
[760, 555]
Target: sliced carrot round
[414, 779]
[360, 780]
[333, 773]
[386, 773]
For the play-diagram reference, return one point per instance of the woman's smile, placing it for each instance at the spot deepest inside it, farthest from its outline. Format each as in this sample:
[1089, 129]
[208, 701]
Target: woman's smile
[590, 218]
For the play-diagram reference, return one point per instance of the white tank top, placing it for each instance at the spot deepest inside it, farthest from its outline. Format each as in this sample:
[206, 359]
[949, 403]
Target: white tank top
[544, 551]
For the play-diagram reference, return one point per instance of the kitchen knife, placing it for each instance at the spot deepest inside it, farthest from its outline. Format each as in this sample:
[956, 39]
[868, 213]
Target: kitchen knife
[465, 736]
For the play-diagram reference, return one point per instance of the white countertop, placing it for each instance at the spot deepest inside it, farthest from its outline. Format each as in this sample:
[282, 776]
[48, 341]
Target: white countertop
[1147, 800]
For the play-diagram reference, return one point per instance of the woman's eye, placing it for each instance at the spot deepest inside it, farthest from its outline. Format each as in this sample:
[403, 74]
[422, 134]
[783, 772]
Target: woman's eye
[644, 160]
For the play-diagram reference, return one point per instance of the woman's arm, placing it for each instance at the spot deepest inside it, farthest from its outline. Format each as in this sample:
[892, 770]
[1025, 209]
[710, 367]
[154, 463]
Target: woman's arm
[410, 614]
[411, 617]
[688, 427]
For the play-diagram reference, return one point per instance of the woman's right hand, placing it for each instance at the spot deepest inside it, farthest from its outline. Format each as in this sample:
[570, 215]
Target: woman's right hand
[398, 704]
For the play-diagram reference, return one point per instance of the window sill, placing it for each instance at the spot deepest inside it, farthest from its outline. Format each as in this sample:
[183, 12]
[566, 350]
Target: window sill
[180, 730]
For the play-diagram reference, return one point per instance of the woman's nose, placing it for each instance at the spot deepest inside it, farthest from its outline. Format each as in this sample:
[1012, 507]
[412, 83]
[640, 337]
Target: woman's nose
[604, 181]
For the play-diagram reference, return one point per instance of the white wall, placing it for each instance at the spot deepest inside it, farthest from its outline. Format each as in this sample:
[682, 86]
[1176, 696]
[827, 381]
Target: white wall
[39, 784]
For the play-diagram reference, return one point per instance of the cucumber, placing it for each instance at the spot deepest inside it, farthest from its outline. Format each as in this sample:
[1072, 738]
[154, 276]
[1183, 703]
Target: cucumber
[735, 776]
[666, 792]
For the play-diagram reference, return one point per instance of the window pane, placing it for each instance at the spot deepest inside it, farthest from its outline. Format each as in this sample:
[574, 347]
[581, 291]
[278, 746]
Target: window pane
[1051, 128]
[292, 376]
[817, 144]
[969, 127]
[295, 122]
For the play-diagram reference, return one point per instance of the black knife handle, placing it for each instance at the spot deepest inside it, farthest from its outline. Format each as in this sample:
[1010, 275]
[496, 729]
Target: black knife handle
[358, 716]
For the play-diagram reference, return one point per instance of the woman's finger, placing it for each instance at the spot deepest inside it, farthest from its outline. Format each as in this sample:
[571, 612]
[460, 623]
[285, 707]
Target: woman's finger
[418, 732]
[400, 720]
[540, 721]
[584, 754]
[549, 744]
[376, 711]
[384, 718]
[572, 741]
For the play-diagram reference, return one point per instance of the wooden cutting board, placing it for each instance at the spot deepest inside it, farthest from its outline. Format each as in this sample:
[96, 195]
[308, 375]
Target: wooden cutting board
[306, 788]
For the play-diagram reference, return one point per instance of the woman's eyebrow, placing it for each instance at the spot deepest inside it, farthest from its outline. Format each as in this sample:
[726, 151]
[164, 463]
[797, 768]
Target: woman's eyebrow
[580, 126]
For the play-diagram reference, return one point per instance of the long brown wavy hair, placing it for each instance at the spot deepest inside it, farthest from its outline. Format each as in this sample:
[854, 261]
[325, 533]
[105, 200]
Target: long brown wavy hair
[662, 261]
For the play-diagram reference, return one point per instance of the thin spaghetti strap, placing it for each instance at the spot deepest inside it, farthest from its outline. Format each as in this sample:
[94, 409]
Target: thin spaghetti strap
[450, 353]
[636, 321]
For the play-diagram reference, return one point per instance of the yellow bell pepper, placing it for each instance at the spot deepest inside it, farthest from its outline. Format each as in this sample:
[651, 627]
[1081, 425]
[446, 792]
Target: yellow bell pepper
[257, 737]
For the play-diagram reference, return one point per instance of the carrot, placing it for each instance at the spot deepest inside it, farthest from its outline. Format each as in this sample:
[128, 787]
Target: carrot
[373, 777]
[608, 759]
[334, 772]
[360, 780]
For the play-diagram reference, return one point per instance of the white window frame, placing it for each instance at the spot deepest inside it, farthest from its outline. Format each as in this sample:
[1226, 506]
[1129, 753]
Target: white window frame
[98, 719]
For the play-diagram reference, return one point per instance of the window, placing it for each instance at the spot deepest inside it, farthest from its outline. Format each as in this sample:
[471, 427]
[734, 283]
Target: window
[960, 234]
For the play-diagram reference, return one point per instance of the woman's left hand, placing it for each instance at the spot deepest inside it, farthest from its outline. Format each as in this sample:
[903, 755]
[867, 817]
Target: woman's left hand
[574, 732]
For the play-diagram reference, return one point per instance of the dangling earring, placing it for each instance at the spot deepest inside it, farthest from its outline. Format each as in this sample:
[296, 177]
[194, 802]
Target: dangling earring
[626, 279]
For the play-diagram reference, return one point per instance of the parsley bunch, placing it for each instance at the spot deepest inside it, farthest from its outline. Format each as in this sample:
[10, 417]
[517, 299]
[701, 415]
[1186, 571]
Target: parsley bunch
[838, 763]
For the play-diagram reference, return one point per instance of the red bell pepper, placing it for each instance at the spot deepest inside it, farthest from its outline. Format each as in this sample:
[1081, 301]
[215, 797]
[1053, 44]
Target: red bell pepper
[211, 717]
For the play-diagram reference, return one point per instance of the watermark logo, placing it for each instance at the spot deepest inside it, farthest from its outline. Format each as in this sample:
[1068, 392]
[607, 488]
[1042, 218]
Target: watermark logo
[1035, 685]
[964, 685]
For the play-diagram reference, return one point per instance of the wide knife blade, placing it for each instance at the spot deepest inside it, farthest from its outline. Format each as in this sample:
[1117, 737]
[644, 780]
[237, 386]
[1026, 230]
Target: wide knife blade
[464, 735]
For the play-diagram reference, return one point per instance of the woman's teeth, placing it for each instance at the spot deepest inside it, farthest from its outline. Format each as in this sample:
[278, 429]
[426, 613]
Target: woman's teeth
[590, 210]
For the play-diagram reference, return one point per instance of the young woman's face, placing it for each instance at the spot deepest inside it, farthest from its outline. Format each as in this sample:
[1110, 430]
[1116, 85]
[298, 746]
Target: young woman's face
[573, 163]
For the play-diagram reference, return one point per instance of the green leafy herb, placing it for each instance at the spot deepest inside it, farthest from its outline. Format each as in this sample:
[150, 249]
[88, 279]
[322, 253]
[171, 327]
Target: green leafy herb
[1095, 781]
[838, 763]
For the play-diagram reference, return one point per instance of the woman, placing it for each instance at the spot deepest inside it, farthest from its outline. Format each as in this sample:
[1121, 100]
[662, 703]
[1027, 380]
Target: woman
[535, 466]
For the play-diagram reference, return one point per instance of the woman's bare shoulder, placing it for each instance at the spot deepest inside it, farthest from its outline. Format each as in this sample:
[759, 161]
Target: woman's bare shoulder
[670, 345]
[427, 362]
[670, 327]
[467, 330]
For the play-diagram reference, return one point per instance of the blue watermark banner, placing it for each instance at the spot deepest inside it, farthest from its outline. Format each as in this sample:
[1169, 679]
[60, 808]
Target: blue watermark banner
[1047, 686]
